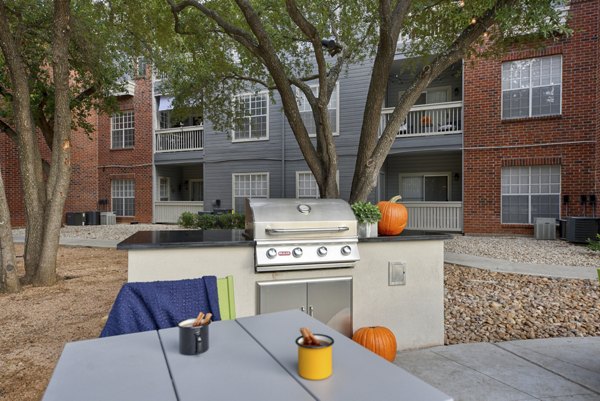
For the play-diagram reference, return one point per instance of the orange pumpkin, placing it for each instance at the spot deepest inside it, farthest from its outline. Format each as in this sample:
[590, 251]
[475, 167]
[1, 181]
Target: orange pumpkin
[393, 217]
[378, 339]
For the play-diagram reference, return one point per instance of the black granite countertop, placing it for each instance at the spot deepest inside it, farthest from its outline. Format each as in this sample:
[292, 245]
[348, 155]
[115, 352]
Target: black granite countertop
[409, 235]
[218, 238]
[184, 238]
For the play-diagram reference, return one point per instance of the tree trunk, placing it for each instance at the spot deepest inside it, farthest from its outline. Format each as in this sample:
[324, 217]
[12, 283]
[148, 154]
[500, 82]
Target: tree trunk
[9, 279]
[30, 160]
[60, 169]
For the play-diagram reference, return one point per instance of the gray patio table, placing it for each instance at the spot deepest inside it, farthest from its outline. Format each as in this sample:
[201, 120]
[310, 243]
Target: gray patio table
[252, 358]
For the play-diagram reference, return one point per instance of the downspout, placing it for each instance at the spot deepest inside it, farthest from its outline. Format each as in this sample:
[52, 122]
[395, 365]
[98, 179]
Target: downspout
[154, 111]
[282, 154]
[462, 139]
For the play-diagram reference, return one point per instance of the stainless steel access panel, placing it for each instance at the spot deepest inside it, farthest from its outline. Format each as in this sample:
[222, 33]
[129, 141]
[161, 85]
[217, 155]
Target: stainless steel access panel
[328, 300]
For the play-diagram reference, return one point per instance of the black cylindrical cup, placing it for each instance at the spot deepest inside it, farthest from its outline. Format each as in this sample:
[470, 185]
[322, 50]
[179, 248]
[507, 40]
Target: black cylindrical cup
[192, 340]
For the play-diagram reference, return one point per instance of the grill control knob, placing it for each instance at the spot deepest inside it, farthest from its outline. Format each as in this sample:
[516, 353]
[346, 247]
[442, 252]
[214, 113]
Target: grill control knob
[346, 250]
[271, 253]
[322, 251]
[297, 252]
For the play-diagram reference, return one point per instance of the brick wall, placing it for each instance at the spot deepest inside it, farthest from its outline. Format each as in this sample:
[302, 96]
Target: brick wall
[568, 139]
[134, 163]
[82, 194]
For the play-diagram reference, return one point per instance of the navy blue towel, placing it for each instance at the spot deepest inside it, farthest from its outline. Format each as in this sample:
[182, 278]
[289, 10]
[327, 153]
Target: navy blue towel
[161, 304]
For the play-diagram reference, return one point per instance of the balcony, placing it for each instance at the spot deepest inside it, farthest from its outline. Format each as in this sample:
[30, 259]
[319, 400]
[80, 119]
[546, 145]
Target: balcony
[179, 139]
[428, 119]
[434, 216]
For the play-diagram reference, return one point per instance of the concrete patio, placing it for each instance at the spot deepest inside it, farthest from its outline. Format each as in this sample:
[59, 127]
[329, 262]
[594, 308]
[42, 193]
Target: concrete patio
[555, 369]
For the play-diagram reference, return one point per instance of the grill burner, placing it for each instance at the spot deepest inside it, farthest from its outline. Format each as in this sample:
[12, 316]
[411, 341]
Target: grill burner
[294, 234]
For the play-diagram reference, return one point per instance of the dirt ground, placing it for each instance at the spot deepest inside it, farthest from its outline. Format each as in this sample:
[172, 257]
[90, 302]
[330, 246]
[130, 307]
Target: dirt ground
[36, 323]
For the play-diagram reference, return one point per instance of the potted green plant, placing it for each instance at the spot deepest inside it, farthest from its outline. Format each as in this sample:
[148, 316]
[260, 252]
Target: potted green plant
[367, 215]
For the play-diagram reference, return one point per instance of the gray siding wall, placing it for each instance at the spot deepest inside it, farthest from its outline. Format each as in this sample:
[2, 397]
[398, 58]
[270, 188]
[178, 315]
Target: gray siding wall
[280, 155]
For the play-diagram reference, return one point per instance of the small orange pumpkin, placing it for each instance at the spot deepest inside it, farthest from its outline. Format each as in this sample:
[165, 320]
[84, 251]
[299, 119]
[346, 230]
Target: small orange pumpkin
[393, 217]
[378, 339]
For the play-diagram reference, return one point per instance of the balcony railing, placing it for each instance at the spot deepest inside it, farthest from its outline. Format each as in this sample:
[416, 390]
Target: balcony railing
[428, 119]
[179, 139]
[169, 212]
[434, 216]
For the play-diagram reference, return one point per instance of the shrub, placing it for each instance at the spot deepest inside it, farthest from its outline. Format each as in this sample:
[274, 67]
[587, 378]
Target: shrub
[209, 221]
[230, 220]
[206, 221]
[187, 220]
[594, 245]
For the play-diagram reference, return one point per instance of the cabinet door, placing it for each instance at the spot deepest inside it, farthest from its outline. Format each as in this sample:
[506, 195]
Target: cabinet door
[279, 296]
[330, 301]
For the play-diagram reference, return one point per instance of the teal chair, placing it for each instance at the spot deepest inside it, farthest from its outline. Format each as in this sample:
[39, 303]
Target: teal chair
[226, 298]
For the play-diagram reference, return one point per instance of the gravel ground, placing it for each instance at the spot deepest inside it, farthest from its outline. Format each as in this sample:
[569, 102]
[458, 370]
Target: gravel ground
[117, 232]
[484, 306]
[525, 250]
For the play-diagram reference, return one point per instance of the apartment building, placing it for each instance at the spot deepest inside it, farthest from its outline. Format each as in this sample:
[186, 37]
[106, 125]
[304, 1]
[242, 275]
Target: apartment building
[487, 148]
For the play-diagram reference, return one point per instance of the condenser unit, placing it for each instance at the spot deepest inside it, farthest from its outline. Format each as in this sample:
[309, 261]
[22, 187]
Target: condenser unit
[544, 228]
[580, 229]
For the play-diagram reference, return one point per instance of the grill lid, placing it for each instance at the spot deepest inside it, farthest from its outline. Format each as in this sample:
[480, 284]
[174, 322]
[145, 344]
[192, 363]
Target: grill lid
[279, 219]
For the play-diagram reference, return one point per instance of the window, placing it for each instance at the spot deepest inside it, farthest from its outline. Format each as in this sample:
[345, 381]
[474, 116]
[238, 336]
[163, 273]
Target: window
[122, 130]
[196, 190]
[123, 197]
[429, 187]
[249, 185]
[306, 185]
[164, 188]
[530, 192]
[532, 87]
[253, 122]
[166, 119]
[307, 115]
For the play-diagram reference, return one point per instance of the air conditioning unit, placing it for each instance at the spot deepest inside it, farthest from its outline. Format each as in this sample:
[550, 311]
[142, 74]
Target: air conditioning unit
[75, 219]
[580, 229]
[108, 218]
[544, 228]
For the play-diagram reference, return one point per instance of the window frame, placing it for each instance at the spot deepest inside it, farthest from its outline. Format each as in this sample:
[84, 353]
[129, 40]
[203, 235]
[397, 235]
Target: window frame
[113, 197]
[300, 96]
[530, 88]
[267, 115]
[529, 193]
[122, 131]
[233, 182]
[168, 184]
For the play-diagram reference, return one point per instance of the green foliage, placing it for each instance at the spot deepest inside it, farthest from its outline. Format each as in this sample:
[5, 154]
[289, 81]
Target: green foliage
[594, 245]
[366, 212]
[187, 220]
[227, 221]
[97, 60]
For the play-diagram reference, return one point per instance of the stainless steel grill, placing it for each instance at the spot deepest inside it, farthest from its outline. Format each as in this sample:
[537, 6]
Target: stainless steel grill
[297, 234]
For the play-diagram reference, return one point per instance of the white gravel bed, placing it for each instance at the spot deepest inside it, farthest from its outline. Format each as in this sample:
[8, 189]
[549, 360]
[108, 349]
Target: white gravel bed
[116, 232]
[525, 250]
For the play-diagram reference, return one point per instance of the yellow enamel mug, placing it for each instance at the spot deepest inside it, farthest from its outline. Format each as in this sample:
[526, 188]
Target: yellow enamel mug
[315, 362]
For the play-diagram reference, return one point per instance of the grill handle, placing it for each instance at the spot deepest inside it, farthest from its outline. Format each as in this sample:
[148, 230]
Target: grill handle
[276, 231]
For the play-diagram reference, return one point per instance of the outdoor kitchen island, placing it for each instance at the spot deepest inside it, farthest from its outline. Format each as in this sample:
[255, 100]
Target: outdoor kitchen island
[398, 281]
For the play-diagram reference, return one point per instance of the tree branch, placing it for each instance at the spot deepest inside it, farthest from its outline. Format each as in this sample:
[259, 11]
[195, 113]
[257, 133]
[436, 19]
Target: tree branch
[4, 127]
[240, 35]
